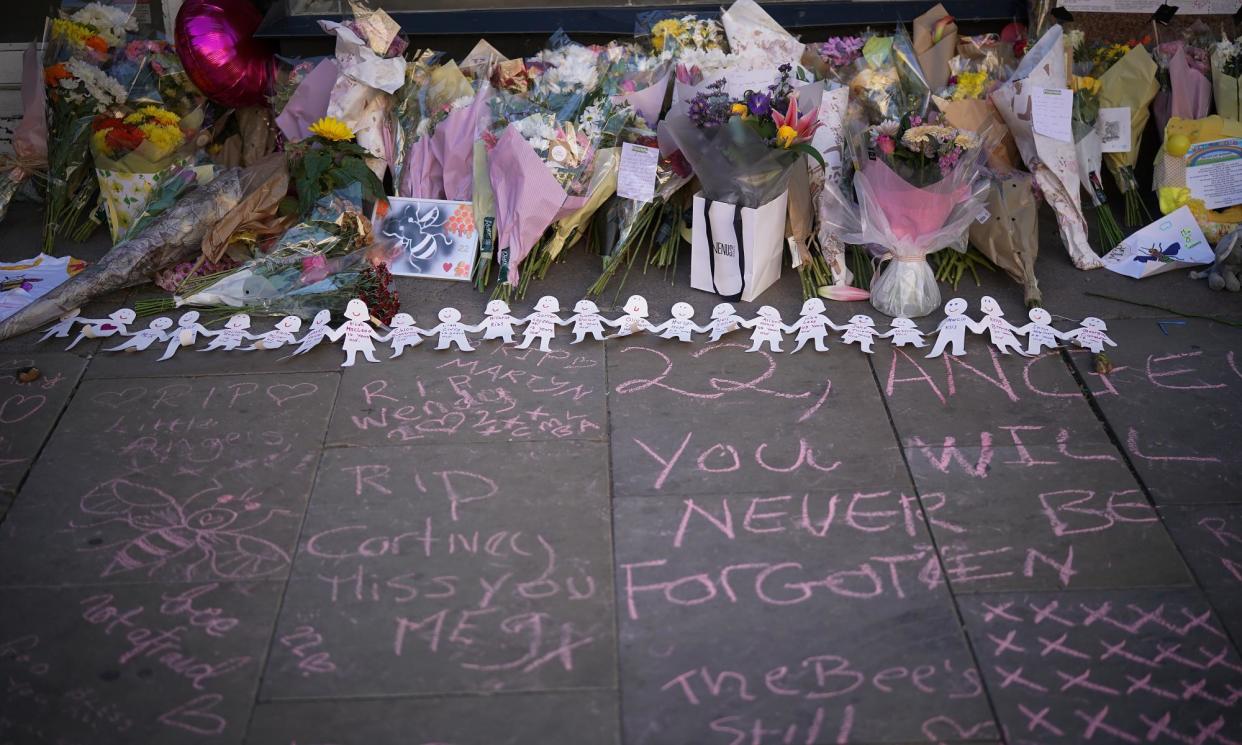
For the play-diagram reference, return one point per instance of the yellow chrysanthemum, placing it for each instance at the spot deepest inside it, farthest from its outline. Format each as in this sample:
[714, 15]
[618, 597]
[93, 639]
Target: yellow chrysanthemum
[1085, 83]
[331, 128]
[162, 137]
[786, 135]
[75, 33]
[739, 109]
[154, 114]
[668, 27]
[970, 86]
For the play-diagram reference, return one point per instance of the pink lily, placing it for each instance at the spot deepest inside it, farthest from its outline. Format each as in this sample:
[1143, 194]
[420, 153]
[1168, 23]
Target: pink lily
[843, 293]
[803, 127]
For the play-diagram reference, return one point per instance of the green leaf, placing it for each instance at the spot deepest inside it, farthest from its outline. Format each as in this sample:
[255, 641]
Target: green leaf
[807, 148]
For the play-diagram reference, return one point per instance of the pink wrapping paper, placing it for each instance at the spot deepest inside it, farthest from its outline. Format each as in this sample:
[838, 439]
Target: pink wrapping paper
[911, 212]
[30, 136]
[423, 177]
[528, 197]
[1190, 96]
[309, 102]
[453, 145]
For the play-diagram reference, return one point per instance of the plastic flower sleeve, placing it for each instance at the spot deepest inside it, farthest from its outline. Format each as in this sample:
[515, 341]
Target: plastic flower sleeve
[1053, 163]
[732, 161]
[1225, 87]
[29, 137]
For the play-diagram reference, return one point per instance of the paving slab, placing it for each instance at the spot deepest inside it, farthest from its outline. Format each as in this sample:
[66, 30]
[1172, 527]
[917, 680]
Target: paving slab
[120, 664]
[155, 480]
[496, 394]
[1172, 401]
[984, 395]
[1210, 537]
[451, 569]
[28, 411]
[1121, 666]
[1042, 517]
[710, 418]
[819, 617]
[508, 719]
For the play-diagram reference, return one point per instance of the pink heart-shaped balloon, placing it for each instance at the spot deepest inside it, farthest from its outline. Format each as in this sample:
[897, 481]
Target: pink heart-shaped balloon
[215, 41]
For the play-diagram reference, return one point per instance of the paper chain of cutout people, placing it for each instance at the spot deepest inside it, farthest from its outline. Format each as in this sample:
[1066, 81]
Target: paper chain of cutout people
[357, 335]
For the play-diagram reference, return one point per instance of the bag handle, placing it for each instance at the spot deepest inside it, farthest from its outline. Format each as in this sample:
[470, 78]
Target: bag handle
[711, 249]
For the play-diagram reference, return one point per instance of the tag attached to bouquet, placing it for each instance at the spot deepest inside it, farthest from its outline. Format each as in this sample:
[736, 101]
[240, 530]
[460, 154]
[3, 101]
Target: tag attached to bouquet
[1051, 109]
[636, 174]
[1175, 241]
[1113, 126]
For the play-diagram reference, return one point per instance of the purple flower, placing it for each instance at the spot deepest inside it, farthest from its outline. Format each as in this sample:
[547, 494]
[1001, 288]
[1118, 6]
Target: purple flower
[759, 104]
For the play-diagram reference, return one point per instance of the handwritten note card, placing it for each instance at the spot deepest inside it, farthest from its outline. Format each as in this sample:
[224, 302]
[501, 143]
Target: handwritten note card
[637, 172]
[1051, 109]
[1214, 172]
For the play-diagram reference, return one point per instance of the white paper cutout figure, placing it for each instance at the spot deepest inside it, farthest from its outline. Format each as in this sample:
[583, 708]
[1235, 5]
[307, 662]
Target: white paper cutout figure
[903, 331]
[812, 324]
[186, 335]
[767, 329]
[499, 323]
[139, 341]
[318, 331]
[725, 320]
[542, 324]
[1090, 335]
[283, 334]
[951, 332]
[61, 328]
[403, 334]
[230, 337]
[1000, 331]
[102, 328]
[681, 326]
[861, 329]
[1039, 332]
[635, 318]
[587, 320]
[358, 333]
[452, 331]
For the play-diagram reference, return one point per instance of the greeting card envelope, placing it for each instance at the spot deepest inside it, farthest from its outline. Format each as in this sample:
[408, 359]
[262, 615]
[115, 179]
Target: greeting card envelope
[433, 237]
[1172, 242]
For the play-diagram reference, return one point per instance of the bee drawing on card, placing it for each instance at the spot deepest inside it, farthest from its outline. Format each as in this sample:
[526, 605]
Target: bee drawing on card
[1157, 255]
[420, 234]
[194, 538]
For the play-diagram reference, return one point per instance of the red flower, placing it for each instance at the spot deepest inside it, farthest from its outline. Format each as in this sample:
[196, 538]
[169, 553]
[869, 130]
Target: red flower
[123, 138]
[106, 122]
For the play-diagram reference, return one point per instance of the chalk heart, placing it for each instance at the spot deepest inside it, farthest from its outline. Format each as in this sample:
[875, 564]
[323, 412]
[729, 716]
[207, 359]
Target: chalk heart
[196, 716]
[943, 725]
[447, 424]
[20, 406]
[282, 392]
[117, 399]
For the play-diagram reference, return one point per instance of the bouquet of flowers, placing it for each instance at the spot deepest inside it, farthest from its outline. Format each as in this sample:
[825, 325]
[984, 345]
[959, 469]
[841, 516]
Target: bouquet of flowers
[1089, 154]
[1127, 81]
[326, 161]
[134, 151]
[319, 264]
[78, 45]
[152, 71]
[1051, 161]
[1184, 69]
[834, 58]
[429, 95]
[935, 43]
[369, 49]
[565, 76]
[301, 91]
[674, 37]
[920, 185]
[964, 103]
[1226, 73]
[887, 81]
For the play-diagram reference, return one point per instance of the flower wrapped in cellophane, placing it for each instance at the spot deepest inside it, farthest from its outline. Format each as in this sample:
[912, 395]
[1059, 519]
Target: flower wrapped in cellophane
[886, 82]
[1128, 81]
[683, 37]
[134, 151]
[319, 264]
[1185, 69]
[919, 186]
[1226, 77]
[834, 58]
[29, 157]
[79, 45]
[152, 72]
[1052, 161]
[1089, 154]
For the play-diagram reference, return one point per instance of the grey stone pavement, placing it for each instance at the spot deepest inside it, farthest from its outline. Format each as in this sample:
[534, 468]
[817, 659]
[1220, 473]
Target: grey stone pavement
[642, 542]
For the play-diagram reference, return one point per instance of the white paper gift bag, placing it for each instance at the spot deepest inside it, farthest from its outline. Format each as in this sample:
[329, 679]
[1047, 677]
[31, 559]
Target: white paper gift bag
[736, 251]
[1172, 242]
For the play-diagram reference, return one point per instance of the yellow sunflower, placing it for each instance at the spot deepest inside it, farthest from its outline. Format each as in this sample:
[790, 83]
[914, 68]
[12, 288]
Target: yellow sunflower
[331, 128]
